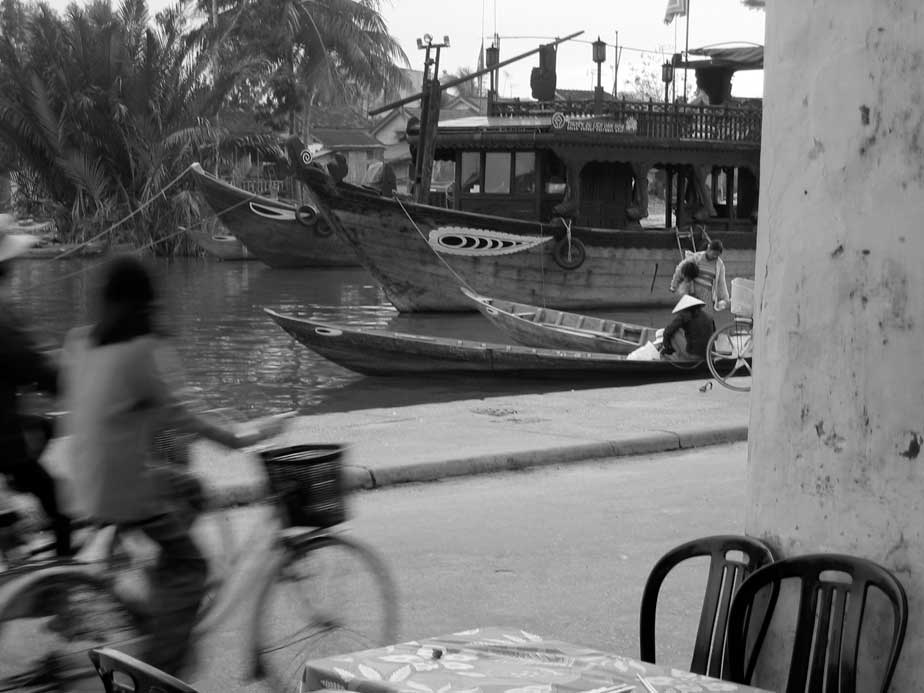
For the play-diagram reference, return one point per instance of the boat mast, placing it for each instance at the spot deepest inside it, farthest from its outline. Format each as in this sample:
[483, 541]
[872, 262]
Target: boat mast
[686, 53]
[430, 110]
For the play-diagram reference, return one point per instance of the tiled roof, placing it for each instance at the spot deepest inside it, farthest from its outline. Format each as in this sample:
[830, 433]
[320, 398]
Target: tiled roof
[340, 138]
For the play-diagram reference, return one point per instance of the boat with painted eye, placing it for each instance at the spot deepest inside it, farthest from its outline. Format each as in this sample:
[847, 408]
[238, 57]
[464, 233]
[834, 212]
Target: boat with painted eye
[538, 326]
[374, 351]
[568, 203]
[272, 230]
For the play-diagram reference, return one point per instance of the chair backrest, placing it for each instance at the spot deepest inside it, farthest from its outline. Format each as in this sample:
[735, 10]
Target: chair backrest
[725, 575]
[829, 618]
[112, 665]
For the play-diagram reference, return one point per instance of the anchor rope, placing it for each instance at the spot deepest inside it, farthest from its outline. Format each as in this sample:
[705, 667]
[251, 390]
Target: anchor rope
[458, 277]
[149, 201]
[141, 249]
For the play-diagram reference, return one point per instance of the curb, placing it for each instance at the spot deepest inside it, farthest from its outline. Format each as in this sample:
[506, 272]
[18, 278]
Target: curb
[359, 477]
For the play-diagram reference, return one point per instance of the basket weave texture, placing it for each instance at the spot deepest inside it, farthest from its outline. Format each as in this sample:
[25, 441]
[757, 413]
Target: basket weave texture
[308, 480]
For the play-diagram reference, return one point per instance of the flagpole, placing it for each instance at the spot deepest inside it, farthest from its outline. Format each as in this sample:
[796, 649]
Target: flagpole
[686, 53]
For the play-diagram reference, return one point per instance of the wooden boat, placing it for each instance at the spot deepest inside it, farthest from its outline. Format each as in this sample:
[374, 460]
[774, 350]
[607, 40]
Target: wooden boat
[549, 328]
[220, 245]
[551, 204]
[269, 228]
[383, 352]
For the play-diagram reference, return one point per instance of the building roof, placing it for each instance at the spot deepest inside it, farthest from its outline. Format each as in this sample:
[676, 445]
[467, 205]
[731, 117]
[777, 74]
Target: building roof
[346, 138]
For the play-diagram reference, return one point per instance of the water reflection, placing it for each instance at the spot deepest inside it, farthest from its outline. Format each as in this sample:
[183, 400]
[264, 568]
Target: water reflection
[240, 358]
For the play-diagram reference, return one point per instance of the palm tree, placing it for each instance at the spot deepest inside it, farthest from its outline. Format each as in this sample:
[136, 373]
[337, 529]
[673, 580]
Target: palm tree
[104, 110]
[318, 52]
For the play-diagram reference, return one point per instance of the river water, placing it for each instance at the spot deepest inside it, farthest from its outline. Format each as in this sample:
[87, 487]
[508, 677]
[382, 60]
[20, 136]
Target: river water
[240, 358]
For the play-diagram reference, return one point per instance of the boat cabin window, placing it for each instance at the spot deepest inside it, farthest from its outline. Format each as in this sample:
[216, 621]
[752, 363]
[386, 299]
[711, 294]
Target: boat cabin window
[471, 172]
[499, 183]
[497, 173]
[524, 173]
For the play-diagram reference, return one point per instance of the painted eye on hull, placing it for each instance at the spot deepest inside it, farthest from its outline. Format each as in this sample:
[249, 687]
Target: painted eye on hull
[464, 241]
[271, 212]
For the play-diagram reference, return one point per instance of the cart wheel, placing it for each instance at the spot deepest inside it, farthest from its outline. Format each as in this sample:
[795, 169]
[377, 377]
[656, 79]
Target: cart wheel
[728, 353]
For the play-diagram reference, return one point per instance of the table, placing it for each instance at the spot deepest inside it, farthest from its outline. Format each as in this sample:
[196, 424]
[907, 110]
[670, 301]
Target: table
[498, 660]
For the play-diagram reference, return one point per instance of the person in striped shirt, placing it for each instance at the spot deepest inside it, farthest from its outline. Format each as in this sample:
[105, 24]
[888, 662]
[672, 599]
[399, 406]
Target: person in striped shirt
[709, 284]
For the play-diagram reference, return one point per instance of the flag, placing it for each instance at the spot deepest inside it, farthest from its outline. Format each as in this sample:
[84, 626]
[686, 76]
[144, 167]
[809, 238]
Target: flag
[675, 8]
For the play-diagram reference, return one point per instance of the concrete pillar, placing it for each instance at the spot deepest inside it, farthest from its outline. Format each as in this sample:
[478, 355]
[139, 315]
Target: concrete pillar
[837, 405]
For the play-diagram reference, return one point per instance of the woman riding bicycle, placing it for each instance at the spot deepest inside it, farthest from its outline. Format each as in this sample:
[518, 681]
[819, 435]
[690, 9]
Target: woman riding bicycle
[123, 384]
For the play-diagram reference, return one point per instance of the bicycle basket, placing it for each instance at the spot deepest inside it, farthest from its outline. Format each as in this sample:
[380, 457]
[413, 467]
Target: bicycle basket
[308, 480]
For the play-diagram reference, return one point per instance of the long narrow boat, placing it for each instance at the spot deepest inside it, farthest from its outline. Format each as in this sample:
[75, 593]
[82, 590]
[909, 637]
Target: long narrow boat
[537, 326]
[383, 352]
[571, 205]
[269, 228]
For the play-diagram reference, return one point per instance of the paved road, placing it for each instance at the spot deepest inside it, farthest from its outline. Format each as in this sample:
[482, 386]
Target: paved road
[562, 551]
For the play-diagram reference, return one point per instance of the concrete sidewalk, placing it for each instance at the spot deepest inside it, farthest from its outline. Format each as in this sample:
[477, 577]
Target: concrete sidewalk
[433, 441]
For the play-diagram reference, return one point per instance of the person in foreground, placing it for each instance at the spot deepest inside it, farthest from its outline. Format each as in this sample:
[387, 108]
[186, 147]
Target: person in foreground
[122, 384]
[24, 365]
[687, 337]
[709, 284]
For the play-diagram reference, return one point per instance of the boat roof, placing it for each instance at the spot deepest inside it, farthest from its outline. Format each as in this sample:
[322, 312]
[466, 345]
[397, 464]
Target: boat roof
[482, 121]
[736, 57]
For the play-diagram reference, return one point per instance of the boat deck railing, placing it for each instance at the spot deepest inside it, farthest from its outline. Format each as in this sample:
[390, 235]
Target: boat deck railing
[651, 119]
[268, 187]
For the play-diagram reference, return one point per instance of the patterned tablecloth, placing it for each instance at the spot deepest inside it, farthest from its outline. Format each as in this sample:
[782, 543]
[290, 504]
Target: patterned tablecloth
[498, 660]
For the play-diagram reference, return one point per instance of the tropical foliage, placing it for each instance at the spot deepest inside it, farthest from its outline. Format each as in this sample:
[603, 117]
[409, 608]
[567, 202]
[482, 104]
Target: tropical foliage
[102, 110]
[317, 53]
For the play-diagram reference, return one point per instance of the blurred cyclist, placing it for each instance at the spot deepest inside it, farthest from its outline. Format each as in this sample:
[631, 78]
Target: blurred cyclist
[123, 385]
[22, 437]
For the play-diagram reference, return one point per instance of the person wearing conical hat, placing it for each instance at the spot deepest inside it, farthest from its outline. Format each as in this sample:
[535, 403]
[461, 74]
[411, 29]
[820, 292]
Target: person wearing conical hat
[687, 336]
[22, 436]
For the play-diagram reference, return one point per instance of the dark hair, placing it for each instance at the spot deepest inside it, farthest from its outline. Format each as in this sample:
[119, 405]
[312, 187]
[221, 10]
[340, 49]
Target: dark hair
[127, 301]
[689, 270]
[717, 246]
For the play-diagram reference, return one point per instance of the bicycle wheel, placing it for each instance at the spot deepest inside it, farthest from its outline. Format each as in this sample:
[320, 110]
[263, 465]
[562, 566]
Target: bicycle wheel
[331, 595]
[49, 622]
[728, 353]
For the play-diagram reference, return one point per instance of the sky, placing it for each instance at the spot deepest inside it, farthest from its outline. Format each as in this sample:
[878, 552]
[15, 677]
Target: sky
[632, 24]
[523, 24]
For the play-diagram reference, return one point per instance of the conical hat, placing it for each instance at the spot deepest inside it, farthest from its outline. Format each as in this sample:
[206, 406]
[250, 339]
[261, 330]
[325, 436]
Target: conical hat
[685, 302]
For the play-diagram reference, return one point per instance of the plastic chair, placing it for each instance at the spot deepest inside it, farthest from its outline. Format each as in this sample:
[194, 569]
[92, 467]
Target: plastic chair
[144, 678]
[829, 620]
[725, 575]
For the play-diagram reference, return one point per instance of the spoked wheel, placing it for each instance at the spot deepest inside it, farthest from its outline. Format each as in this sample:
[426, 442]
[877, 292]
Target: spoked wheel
[50, 621]
[728, 353]
[332, 595]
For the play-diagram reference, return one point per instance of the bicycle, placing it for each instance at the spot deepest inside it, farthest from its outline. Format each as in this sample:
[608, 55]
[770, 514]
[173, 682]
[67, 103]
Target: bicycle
[319, 592]
[729, 350]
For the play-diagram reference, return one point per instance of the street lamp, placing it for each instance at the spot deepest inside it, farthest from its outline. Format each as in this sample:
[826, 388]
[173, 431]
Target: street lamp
[492, 57]
[426, 43]
[667, 76]
[599, 53]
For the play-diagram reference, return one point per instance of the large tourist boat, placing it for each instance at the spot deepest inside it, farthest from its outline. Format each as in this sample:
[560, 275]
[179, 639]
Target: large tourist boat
[569, 204]
[269, 228]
